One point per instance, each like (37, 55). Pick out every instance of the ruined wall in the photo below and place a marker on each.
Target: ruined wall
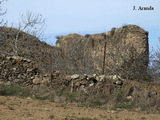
(126, 52)
(15, 70)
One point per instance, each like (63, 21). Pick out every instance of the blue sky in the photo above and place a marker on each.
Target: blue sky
(88, 16)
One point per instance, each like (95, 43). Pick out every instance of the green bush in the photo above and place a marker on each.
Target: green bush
(124, 106)
(118, 95)
(85, 118)
(14, 91)
(97, 103)
(71, 96)
(41, 98)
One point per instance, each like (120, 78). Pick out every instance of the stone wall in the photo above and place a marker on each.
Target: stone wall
(15, 70)
(127, 52)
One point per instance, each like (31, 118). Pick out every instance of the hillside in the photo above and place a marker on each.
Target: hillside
(29, 47)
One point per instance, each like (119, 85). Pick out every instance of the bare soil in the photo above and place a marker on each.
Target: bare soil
(14, 108)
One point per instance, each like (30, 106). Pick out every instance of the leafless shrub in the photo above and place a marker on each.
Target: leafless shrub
(32, 24)
(29, 23)
(154, 66)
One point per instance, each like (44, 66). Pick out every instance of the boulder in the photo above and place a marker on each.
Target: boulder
(152, 94)
(118, 82)
(36, 80)
(75, 76)
(101, 78)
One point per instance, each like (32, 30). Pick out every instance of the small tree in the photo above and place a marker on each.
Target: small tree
(29, 23)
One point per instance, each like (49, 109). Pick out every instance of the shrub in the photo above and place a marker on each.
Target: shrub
(97, 103)
(85, 118)
(124, 106)
(118, 95)
(71, 96)
(14, 91)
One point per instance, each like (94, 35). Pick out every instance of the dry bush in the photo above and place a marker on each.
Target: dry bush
(154, 66)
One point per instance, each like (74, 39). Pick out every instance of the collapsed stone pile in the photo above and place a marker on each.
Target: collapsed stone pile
(84, 82)
(17, 70)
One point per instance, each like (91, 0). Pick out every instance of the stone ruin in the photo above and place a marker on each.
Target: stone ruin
(95, 65)
(123, 51)
(15, 70)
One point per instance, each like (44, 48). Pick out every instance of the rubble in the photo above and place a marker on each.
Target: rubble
(118, 82)
(17, 70)
(75, 76)
(21, 71)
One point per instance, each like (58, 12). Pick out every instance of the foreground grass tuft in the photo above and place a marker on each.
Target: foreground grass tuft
(125, 106)
(85, 119)
(14, 91)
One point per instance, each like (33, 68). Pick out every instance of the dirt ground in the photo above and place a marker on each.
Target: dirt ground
(14, 108)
